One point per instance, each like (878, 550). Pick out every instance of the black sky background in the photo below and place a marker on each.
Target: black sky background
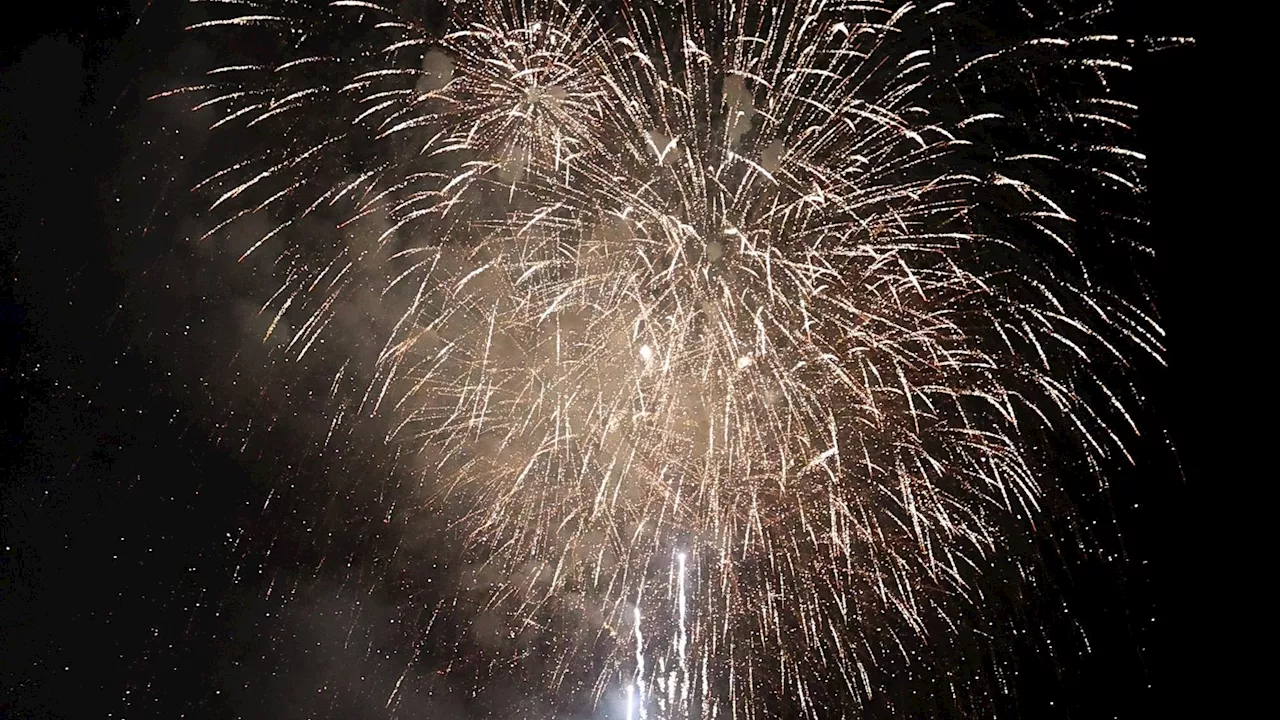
(121, 507)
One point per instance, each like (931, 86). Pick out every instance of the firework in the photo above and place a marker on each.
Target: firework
(772, 309)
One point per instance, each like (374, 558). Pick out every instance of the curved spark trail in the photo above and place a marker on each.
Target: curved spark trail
(802, 290)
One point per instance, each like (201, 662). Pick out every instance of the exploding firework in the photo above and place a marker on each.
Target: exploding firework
(769, 312)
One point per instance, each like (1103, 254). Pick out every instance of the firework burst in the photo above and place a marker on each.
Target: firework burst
(772, 308)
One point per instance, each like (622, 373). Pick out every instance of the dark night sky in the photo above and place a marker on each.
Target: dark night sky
(122, 576)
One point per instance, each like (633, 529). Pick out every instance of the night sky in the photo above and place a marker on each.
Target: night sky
(163, 555)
